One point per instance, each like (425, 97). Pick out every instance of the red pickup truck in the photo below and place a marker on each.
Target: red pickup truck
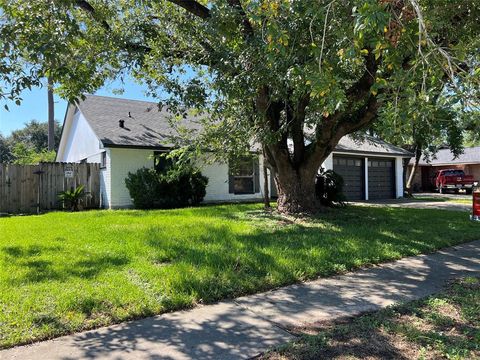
(453, 179)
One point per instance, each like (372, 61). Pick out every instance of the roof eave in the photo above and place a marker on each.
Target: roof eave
(146, 147)
(451, 163)
(382, 153)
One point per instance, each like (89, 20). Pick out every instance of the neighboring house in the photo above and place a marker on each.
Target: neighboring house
(125, 135)
(469, 162)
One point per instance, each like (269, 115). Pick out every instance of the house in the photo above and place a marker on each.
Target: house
(125, 135)
(469, 162)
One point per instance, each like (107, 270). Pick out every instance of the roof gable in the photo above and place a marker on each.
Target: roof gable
(144, 124)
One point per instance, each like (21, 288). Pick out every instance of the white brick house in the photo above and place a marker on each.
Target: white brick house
(123, 136)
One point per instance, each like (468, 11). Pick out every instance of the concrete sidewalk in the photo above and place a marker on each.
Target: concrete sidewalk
(249, 325)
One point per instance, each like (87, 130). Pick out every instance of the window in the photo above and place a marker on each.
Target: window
(160, 162)
(103, 160)
(453, 173)
(243, 176)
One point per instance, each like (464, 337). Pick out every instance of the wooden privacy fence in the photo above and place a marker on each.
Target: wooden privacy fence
(32, 188)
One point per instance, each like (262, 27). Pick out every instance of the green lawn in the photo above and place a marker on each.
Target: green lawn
(66, 272)
(443, 326)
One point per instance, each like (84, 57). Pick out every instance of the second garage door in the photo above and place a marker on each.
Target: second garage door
(351, 169)
(381, 179)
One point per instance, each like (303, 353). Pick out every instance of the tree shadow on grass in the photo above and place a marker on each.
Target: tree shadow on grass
(223, 264)
(33, 264)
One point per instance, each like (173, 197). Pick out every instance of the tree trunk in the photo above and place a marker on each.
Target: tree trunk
(296, 163)
(296, 193)
(418, 155)
(51, 116)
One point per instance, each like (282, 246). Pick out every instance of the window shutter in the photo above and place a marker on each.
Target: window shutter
(256, 175)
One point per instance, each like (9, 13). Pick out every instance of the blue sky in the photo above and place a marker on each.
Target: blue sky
(34, 105)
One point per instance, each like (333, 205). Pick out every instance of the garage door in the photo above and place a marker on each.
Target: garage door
(381, 179)
(351, 169)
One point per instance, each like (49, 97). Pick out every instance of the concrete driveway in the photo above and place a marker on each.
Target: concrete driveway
(455, 202)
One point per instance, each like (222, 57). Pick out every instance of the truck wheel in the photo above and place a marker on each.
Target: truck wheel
(442, 190)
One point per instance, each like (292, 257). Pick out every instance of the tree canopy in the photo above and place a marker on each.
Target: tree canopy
(294, 75)
(29, 145)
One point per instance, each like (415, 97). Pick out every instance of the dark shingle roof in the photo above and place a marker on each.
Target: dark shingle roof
(371, 145)
(145, 127)
(149, 127)
(445, 157)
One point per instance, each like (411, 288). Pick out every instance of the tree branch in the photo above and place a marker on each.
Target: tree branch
(193, 7)
(361, 88)
(85, 5)
(360, 118)
(332, 131)
(296, 129)
(247, 26)
(131, 46)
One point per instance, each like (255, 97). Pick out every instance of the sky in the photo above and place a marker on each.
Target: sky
(34, 105)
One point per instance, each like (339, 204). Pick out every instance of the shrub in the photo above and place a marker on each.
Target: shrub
(152, 190)
(329, 188)
(72, 198)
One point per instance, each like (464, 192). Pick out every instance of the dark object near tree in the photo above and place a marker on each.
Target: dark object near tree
(150, 189)
(73, 197)
(329, 188)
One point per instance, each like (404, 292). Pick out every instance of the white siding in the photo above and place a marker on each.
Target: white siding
(105, 181)
(80, 142)
(328, 163)
(122, 161)
(399, 176)
(217, 188)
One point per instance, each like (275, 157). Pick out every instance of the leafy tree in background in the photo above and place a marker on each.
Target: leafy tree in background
(35, 135)
(472, 125)
(24, 155)
(5, 151)
(29, 145)
(295, 76)
(422, 123)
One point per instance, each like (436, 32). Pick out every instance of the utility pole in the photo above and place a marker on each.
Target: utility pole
(51, 116)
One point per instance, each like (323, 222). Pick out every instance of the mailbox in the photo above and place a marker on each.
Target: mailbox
(476, 202)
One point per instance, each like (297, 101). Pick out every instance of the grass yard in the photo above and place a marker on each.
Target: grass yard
(67, 272)
(444, 326)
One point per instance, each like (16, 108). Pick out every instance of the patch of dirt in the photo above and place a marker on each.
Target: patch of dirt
(433, 328)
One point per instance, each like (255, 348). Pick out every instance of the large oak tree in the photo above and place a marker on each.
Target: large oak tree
(293, 75)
